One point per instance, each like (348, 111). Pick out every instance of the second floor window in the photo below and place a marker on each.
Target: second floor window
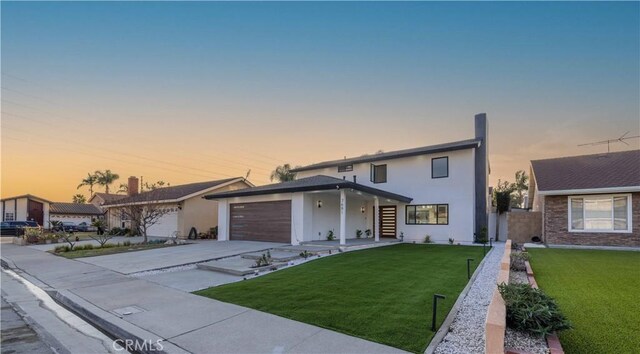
(440, 167)
(345, 168)
(378, 173)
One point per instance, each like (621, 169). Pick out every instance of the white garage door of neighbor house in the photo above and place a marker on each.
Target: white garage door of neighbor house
(165, 227)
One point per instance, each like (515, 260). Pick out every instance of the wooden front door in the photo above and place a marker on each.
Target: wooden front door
(388, 220)
(261, 221)
(35, 212)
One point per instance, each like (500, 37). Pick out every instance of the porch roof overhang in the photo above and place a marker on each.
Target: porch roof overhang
(309, 184)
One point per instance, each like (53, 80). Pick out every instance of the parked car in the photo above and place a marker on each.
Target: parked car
(67, 226)
(15, 228)
(85, 227)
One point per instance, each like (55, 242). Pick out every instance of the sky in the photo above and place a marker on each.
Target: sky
(194, 91)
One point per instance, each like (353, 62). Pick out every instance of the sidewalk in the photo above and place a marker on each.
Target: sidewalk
(137, 309)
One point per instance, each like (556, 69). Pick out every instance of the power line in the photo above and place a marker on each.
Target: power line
(279, 161)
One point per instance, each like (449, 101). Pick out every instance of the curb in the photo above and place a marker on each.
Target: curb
(444, 327)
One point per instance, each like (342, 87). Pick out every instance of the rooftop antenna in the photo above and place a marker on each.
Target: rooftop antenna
(248, 173)
(621, 139)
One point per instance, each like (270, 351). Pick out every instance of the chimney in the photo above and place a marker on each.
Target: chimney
(482, 174)
(133, 186)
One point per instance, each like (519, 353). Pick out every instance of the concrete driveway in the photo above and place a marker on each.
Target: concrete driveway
(199, 251)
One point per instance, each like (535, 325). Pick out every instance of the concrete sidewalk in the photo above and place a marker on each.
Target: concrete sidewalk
(135, 308)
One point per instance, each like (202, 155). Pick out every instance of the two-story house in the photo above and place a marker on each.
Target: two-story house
(438, 190)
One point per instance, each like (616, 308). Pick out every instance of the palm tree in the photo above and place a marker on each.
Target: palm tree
(123, 188)
(283, 173)
(79, 199)
(90, 180)
(106, 178)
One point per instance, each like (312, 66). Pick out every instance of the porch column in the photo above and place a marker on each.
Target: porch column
(343, 217)
(376, 219)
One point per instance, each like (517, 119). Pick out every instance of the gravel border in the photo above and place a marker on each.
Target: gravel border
(466, 334)
(522, 341)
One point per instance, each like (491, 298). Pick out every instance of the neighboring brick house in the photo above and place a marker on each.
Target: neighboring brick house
(590, 200)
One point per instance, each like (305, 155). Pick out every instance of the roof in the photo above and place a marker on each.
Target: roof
(599, 171)
(172, 193)
(30, 196)
(74, 208)
(313, 183)
(108, 197)
(432, 149)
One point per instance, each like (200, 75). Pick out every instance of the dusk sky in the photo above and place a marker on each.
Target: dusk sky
(194, 91)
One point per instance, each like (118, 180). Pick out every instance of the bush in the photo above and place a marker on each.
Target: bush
(115, 231)
(427, 239)
(531, 310)
(518, 259)
(451, 240)
(126, 243)
(330, 236)
(60, 249)
(358, 233)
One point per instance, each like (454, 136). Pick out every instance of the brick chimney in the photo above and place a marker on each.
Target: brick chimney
(133, 186)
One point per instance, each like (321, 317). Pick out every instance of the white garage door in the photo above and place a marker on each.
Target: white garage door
(165, 227)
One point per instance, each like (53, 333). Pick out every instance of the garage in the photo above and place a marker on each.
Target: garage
(261, 221)
(166, 225)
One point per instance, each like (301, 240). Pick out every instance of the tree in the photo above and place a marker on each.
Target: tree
(79, 199)
(502, 199)
(91, 180)
(123, 188)
(155, 185)
(283, 173)
(146, 212)
(106, 178)
(520, 186)
(101, 237)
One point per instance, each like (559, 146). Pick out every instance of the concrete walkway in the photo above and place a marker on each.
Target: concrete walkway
(135, 308)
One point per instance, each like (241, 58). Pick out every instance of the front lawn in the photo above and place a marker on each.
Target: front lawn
(382, 294)
(598, 291)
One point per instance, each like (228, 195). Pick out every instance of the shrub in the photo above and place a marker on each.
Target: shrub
(33, 234)
(358, 233)
(427, 239)
(60, 249)
(367, 232)
(126, 243)
(518, 259)
(451, 240)
(330, 236)
(531, 310)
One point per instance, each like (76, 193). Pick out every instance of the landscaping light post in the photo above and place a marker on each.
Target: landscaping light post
(490, 242)
(469, 268)
(435, 307)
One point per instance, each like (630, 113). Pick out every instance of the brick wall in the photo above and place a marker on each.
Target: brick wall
(556, 226)
(522, 226)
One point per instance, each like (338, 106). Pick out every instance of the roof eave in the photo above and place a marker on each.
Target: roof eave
(626, 189)
(372, 158)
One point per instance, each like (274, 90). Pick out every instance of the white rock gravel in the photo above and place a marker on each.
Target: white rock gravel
(466, 334)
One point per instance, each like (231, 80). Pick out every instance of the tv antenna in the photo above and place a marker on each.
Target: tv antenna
(621, 139)
(248, 173)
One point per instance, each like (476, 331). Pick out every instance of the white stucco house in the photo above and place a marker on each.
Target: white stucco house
(74, 212)
(26, 207)
(436, 190)
(184, 205)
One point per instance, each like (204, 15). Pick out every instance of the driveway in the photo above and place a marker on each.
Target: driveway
(200, 251)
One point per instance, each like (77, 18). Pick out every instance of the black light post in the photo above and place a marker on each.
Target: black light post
(484, 248)
(469, 268)
(490, 242)
(435, 308)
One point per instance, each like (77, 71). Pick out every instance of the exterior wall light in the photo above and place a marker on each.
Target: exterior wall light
(362, 209)
(319, 203)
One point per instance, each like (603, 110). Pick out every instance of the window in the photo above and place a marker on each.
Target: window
(600, 213)
(8, 217)
(345, 168)
(440, 167)
(378, 173)
(427, 214)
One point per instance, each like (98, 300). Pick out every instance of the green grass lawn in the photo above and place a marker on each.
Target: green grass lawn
(381, 294)
(111, 250)
(599, 291)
